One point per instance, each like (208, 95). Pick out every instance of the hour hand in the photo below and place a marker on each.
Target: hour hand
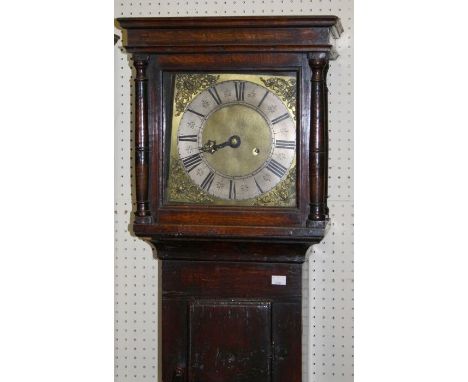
(211, 146)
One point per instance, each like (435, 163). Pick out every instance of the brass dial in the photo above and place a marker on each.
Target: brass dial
(236, 140)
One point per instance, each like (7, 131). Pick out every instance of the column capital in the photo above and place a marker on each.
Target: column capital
(140, 57)
(140, 62)
(319, 66)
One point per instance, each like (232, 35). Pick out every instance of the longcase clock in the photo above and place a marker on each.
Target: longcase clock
(231, 147)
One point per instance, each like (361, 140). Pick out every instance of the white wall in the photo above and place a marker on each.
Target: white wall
(328, 276)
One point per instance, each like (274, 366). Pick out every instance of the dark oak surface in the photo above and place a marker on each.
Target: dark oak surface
(222, 317)
(224, 279)
(266, 22)
(231, 34)
(223, 348)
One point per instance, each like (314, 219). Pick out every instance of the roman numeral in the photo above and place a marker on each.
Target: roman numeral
(191, 161)
(240, 88)
(196, 112)
(206, 184)
(285, 144)
(215, 95)
(263, 99)
(232, 189)
(280, 118)
(276, 168)
(188, 138)
(258, 186)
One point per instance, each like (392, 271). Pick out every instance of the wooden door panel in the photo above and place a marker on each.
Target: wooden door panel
(230, 341)
(287, 333)
(174, 339)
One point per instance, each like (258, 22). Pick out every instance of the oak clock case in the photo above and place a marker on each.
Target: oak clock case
(231, 151)
(233, 139)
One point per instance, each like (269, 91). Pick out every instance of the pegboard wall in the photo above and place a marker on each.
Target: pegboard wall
(328, 274)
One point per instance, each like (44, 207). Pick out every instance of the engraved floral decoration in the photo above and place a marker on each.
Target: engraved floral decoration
(282, 195)
(189, 84)
(182, 189)
(285, 89)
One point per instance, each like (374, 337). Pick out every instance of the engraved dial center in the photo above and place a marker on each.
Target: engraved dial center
(245, 131)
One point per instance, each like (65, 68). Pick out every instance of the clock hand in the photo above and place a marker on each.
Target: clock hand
(211, 146)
